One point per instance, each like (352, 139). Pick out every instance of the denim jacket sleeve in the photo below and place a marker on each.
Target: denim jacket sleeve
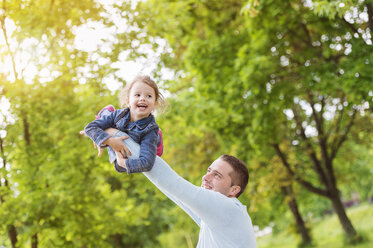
(95, 129)
(148, 152)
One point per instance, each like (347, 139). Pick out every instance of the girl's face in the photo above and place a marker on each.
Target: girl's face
(141, 101)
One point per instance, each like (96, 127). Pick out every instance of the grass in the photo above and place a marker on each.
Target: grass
(328, 232)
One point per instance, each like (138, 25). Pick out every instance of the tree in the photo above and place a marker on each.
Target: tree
(317, 77)
(284, 75)
(54, 191)
(269, 191)
(17, 11)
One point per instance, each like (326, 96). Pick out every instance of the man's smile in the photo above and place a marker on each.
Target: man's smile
(206, 186)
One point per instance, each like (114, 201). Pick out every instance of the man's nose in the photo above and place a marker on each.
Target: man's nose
(206, 177)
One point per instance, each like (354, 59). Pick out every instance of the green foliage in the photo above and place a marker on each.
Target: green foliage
(246, 76)
(53, 186)
(66, 194)
(182, 233)
(356, 172)
(290, 73)
(328, 231)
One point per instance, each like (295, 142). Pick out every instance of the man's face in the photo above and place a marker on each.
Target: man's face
(218, 179)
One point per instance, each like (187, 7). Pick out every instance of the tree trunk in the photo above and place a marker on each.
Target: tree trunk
(342, 216)
(338, 207)
(117, 240)
(306, 238)
(12, 233)
(330, 191)
(34, 241)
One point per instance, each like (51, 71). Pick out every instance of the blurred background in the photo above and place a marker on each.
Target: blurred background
(286, 86)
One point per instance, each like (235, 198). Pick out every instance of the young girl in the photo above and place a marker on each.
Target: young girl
(141, 96)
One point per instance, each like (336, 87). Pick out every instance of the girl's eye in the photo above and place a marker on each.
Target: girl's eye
(137, 95)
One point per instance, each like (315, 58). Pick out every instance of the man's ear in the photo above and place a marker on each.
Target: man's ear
(235, 189)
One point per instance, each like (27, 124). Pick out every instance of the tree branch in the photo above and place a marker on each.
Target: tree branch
(2, 21)
(305, 183)
(315, 116)
(370, 16)
(4, 166)
(351, 26)
(51, 5)
(320, 129)
(308, 35)
(26, 131)
(12, 232)
(310, 150)
(343, 138)
(339, 119)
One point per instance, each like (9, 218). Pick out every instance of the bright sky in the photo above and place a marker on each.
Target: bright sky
(89, 38)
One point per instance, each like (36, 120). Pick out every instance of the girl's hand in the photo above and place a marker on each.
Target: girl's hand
(116, 143)
(99, 149)
(118, 146)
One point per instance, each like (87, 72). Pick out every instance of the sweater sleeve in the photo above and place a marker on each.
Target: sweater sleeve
(196, 201)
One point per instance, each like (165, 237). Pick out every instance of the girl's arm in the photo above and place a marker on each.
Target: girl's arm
(95, 131)
(148, 152)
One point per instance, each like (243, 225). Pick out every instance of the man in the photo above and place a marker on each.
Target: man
(223, 220)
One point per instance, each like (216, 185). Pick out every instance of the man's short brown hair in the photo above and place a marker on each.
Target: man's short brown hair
(240, 174)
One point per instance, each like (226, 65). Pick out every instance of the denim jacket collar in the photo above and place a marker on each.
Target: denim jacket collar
(142, 123)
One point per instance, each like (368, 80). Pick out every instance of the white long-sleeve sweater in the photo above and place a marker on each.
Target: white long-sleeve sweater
(224, 222)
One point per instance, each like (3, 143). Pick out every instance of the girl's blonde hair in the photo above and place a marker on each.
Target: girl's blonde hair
(125, 92)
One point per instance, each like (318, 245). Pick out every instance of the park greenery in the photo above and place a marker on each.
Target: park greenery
(287, 86)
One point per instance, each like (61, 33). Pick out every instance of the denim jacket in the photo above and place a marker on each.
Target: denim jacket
(143, 131)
